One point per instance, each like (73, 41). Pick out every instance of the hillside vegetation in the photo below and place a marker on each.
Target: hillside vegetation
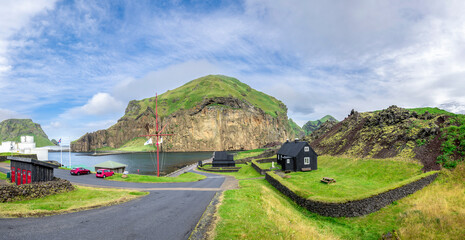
(193, 93)
(433, 136)
(13, 129)
(311, 126)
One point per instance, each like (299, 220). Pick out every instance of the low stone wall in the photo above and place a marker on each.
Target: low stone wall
(33, 156)
(353, 208)
(12, 192)
(261, 170)
(216, 169)
(268, 153)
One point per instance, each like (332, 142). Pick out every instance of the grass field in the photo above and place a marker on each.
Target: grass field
(249, 153)
(246, 171)
(80, 199)
(355, 178)
(435, 212)
(185, 177)
(3, 176)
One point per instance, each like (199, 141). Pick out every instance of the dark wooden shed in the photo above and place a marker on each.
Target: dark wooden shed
(28, 170)
(223, 159)
(297, 156)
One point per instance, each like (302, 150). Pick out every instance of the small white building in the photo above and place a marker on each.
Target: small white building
(26, 146)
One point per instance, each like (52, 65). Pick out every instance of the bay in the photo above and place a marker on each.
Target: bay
(142, 163)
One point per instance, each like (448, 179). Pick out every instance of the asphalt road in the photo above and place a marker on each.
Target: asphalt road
(163, 214)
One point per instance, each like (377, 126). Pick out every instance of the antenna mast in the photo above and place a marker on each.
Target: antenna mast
(157, 134)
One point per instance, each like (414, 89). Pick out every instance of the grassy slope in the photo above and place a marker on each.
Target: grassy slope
(246, 171)
(185, 177)
(435, 212)
(192, 93)
(355, 178)
(80, 199)
(295, 129)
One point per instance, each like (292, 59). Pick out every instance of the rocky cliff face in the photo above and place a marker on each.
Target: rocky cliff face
(392, 132)
(213, 124)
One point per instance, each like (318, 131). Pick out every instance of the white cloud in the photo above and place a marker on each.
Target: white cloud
(100, 104)
(9, 114)
(164, 79)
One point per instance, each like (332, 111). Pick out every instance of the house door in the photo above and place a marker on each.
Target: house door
(18, 175)
(13, 174)
(24, 176)
(28, 176)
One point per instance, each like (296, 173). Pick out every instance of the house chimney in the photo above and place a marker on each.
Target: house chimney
(296, 140)
(287, 140)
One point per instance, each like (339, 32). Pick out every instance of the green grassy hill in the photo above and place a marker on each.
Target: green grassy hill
(193, 93)
(13, 129)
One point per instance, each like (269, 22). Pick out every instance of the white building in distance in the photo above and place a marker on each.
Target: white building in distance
(26, 146)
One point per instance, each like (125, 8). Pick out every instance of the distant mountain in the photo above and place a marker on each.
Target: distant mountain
(211, 113)
(13, 129)
(311, 126)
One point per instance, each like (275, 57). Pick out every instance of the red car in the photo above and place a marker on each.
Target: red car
(103, 173)
(79, 171)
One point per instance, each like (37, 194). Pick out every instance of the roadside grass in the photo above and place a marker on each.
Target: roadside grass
(185, 177)
(82, 198)
(269, 165)
(3, 176)
(435, 212)
(246, 171)
(249, 153)
(355, 178)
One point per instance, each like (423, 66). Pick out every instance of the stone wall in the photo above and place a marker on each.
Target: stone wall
(12, 192)
(258, 168)
(217, 169)
(33, 156)
(353, 208)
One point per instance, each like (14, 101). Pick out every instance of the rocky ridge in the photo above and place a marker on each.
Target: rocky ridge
(392, 132)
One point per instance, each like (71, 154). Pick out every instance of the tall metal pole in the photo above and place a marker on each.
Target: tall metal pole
(157, 133)
(69, 152)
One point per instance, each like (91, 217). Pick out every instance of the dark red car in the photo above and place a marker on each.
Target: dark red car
(79, 171)
(103, 173)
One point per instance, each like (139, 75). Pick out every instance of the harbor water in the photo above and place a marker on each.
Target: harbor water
(142, 163)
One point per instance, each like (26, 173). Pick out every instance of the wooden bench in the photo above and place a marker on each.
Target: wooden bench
(328, 180)
(306, 169)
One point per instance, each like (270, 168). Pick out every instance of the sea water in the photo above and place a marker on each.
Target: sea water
(143, 163)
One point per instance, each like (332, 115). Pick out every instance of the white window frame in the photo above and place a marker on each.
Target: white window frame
(307, 149)
(288, 161)
(306, 160)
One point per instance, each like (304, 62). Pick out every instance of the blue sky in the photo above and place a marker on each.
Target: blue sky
(73, 66)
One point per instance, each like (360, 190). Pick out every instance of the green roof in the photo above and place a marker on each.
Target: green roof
(110, 164)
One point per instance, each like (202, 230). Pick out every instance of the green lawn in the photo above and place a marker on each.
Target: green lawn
(435, 212)
(355, 178)
(80, 199)
(246, 171)
(185, 177)
(248, 153)
(269, 165)
(3, 176)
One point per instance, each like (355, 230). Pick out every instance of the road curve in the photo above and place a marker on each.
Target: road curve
(169, 212)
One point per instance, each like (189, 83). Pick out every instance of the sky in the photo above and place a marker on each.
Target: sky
(73, 66)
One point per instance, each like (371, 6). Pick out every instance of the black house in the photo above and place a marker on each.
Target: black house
(27, 170)
(222, 159)
(297, 156)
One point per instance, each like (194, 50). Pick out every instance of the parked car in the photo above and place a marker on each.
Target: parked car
(79, 171)
(103, 173)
